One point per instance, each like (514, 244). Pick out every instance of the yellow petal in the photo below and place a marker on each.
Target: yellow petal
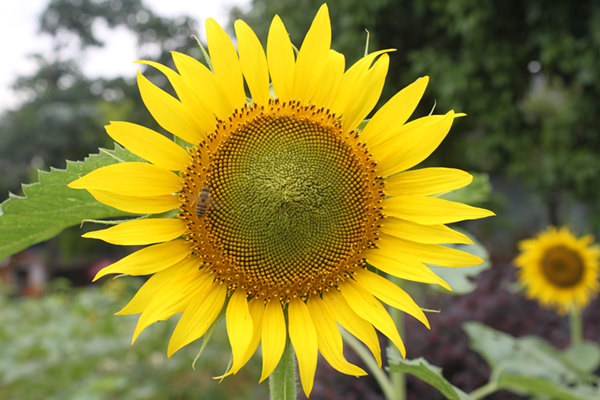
(426, 181)
(353, 83)
(136, 204)
(254, 63)
(357, 326)
(225, 62)
(330, 340)
(140, 231)
(198, 316)
(399, 267)
(149, 290)
(370, 309)
(303, 336)
(394, 247)
(390, 294)
(148, 144)
(394, 113)
(431, 210)
(197, 108)
(130, 179)
(274, 336)
(143, 296)
(412, 144)
(281, 60)
(149, 260)
(312, 56)
(239, 325)
(257, 310)
(364, 101)
(173, 298)
(422, 233)
(169, 112)
(331, 79)
(202, 81)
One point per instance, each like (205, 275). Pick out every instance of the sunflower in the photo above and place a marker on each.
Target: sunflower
(558, 269)
(288, 214)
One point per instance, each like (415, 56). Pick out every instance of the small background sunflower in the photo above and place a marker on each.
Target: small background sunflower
(558, 269)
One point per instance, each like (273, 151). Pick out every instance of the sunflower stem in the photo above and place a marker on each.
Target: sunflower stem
(398, 378)
(382, 379)
(576, 327)
(282, 382)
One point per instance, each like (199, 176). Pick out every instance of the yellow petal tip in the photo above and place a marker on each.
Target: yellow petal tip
(89, 235)
(323, 8)
(76, 184)
(425, 322)
(487, 213)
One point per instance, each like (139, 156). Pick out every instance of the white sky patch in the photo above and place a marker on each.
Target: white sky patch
(19, 37)
(116, 57)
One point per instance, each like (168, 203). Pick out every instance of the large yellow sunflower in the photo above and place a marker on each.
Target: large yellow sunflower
(288, 215)
(558, 269)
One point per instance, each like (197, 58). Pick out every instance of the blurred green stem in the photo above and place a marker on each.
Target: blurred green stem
(382, 379)
(398, 378)
(282, 382)
(484, 390)
(576, 327)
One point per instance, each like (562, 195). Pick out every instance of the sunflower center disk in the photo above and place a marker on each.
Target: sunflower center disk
(562, 266)
(296, 202)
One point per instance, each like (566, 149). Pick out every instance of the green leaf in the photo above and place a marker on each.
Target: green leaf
(423, 370)
(530, 365)
(49, 206)
(585, 355)
(460, 279)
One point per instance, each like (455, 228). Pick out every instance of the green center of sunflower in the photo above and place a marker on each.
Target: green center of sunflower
(562, 266)
(293, 203)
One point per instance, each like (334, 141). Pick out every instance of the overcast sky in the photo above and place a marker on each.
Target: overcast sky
(19, 37)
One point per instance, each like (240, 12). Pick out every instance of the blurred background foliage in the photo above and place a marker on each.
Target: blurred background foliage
(526, 73)
(78, 350)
